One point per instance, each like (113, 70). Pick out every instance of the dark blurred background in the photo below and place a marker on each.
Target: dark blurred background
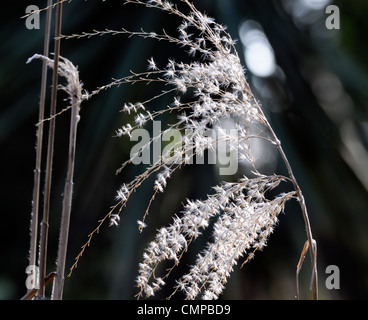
(312, 83)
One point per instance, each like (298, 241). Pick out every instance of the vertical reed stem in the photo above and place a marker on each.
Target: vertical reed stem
(50, 150)
(39, 138)
(67, 202)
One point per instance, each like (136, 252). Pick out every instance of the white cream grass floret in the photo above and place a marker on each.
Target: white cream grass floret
(243, 225)
(234, 235)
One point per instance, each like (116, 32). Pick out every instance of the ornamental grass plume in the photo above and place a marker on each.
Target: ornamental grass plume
(245, 219)
(209, 89)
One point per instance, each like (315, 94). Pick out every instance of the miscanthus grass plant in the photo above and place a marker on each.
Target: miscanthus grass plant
(205, 91)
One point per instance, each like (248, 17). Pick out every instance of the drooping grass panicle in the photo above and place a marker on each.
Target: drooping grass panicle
(245, 219)
(205, 91)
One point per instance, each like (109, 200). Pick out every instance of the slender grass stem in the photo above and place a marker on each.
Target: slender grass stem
(67, 202)
(39, 138)
(50, 150)
(301, 200)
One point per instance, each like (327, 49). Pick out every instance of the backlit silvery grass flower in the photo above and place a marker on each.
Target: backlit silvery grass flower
(215, 89)
(244, 220)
